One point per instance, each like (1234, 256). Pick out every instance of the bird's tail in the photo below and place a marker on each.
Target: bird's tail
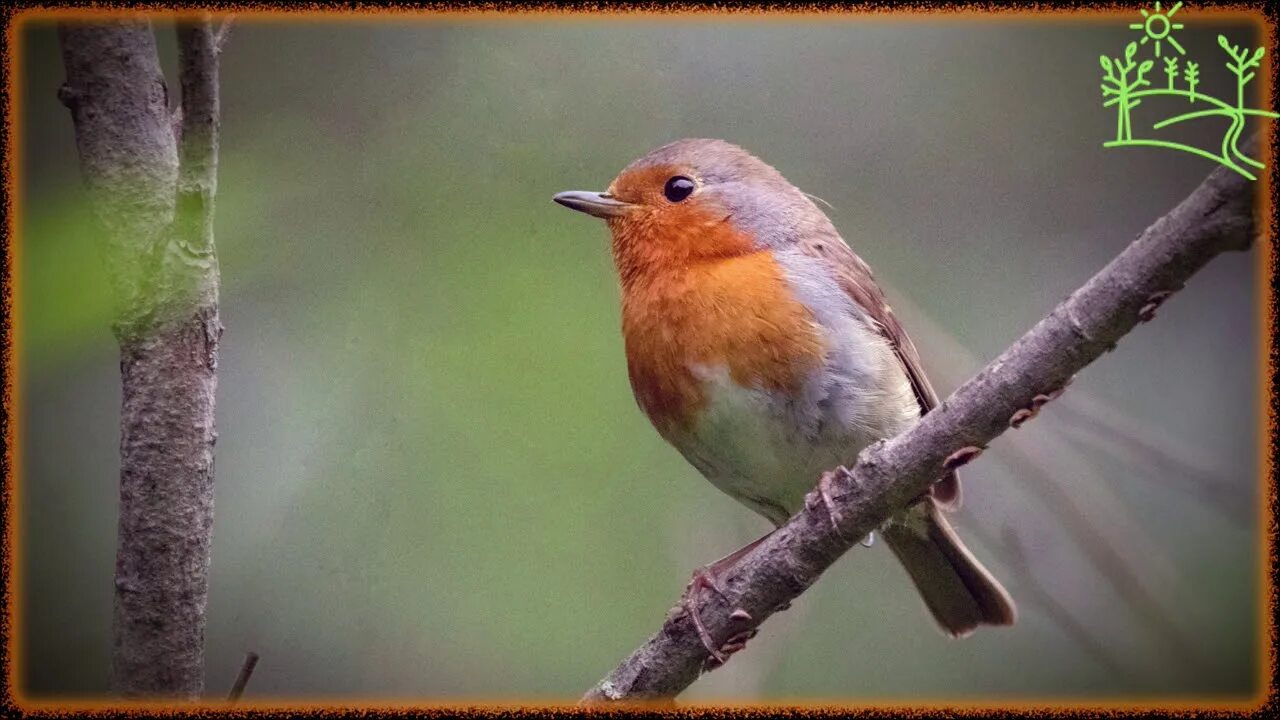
(959, 592)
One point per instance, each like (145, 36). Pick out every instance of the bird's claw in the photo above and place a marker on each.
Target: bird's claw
(703, 578)
(824, 494)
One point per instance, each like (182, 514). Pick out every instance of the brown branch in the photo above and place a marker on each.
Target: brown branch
(1109, 549)
(156, 218)
(1217, 217)
(246, 670)
(1029, 458)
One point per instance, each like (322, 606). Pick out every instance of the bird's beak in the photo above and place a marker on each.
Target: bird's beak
(601, 205)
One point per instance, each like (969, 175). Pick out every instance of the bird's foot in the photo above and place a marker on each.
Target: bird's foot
(703, 578)
(708, 577)
(823, 494)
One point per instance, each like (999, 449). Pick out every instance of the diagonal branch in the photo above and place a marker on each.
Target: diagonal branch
(246, 671)
(1216, 217)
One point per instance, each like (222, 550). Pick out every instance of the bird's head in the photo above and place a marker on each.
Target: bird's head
(696, 200)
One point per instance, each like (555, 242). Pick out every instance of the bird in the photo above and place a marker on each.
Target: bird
(760, 347)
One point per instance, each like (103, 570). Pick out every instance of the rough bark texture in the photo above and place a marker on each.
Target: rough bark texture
(1217, 217)
(156, 216)
(128, 155)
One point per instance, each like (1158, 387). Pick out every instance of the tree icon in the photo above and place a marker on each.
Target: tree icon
(1171, 70)
(1122, 87)
(1240, 66)
(1192, 75)
(1124, 80)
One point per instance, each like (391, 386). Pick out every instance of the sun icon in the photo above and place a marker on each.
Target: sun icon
(1158, 26)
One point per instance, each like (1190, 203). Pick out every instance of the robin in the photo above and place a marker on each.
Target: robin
(761, 348)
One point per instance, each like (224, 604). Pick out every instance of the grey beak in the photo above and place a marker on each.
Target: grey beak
(595, 204)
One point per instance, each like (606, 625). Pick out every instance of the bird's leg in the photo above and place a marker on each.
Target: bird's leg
(703, 577)
(708, 577)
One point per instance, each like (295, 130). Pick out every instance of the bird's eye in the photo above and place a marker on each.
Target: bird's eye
(678, 188)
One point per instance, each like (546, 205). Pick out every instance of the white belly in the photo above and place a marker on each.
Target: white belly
(767, 449)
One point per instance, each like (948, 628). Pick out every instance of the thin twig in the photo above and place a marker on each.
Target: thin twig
(1217, 217)
(224, 31)
(246, 670)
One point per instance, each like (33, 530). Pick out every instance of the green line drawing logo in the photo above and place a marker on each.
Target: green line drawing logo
(1125, 77)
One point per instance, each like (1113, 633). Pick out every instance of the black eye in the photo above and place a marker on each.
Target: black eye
(678, 188)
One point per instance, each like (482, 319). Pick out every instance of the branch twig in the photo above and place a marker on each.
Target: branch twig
(246, 670)
(224, 31)
(1215, 218)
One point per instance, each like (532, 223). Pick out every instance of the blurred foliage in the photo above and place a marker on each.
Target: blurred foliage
(432, 479)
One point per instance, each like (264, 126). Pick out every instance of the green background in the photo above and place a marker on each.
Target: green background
(432, 480)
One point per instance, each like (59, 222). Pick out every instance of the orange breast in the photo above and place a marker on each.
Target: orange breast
(734, 311)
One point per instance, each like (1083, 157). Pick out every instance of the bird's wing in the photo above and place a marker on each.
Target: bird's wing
(856, 280)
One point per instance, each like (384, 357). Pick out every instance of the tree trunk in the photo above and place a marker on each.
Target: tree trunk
(156, 216)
